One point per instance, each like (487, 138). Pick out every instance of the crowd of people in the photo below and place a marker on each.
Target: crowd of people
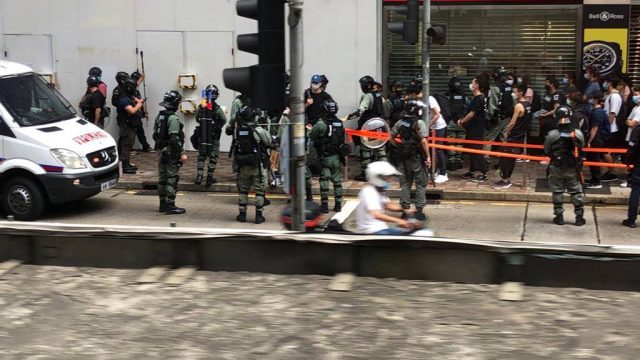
(498, 106)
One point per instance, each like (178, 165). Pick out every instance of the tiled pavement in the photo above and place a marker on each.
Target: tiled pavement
(524, 180)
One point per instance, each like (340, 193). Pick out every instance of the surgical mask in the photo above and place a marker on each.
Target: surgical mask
(565, 81)
(636, 99)
(569, 102)
(520, 80)
(386, 186)
(316, 87)
(586, 76)
(606, 85)
(509, 82)
(471, 87)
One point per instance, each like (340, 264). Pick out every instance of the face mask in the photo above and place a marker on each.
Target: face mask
(471, 87)
(316, 87)
(636, 99)
(509, 82)
(565, 81)
(606, 85)
(547, 87)
(569, 102)
(520, 80)
(586, 76)
(386, 186)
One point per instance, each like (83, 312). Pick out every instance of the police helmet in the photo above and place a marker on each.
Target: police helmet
(171, 99)
(366, 83)
(246, 112)
(129, 86)
(316, 79)
(212, 92)
(499, 71)
(95, 71)
(455, 85)
(562, 112)
(121, 76)
(92, 81)
(136, 75)
(412, 108)
(330, 107)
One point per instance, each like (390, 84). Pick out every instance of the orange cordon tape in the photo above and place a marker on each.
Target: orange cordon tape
(387, 136)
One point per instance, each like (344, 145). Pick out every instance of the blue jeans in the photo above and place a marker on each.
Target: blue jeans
(634, 199)
(440, 154)
(392, 231)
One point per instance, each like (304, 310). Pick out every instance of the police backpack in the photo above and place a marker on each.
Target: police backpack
(161, 129)
(246, 150)
(333, 141)
(410, 145)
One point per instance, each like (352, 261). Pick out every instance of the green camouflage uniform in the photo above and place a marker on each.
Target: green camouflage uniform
(212, 152)
(330, 164)
(169, 159)
(496, 130)
(250, 176)
(563, 178)
(412, 168)
(366, 103)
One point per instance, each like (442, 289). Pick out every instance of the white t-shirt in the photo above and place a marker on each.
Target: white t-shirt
(440, 123)
(370, 199)
(635, 116)
(612, 104)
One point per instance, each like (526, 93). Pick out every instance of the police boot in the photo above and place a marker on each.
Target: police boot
(580, 220)
(324, 207)
(309, 193)
(361, 177)
(420, 216)
(337, 207)
(267, 202)
(163, 206)
(558, 220)
(210, 180)
(172, 209)
(259, 218)
(127, 169)
(198, 180)
(242, 217)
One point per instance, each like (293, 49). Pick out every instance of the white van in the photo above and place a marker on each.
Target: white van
(48, 155)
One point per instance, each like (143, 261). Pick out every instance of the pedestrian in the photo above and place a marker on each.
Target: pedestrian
(569, 84)
(386, 103)
(397, 101)
(129, 117)
(438, 125)
(564, 147)
(409, 135)
(371, 217)
(459, 102)
(632, 124)
(328, 138)
(97, 72)
(142, 138)
(515, 133)
(473, 123)
(250, 144)
(581, 110)
(633, 158)
(371, 106)
(599, 137)
(169, 137)
(613, 107)
(210, 119)
(552, 100)
(92, 103)
(592, 75)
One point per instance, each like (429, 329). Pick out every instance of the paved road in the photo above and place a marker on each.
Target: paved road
(512, 221)
(80, 313)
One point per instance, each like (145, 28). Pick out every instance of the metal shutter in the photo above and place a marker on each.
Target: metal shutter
(539, 42)
(634, 46)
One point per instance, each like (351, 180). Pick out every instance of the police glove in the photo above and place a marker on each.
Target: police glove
(228, 131)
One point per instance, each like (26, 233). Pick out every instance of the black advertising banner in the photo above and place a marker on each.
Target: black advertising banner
(605, 37)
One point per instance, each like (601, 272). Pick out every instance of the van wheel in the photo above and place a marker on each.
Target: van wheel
(23, 199)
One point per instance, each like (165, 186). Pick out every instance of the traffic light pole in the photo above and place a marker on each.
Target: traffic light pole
(298, 132)
(426, 40)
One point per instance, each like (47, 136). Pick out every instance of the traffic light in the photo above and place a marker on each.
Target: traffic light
(264, 83)
(438, 33)
(409, 28)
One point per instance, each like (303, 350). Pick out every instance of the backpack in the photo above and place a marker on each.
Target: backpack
(246, 149)
(446, 109)
(161, 129)
(410, 146)
(563, 152)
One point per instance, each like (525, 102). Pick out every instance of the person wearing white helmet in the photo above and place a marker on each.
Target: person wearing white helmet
(370, 213)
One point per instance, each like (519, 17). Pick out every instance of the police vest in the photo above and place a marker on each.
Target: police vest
(564, 152)
(210, 123)
(333, 138)
(124, 116)
(161, 129)
(410, 146)
(246, 149)
(458, 104)
(115, 95)
(376, 110)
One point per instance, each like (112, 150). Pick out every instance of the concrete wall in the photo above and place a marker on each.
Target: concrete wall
(342, 39)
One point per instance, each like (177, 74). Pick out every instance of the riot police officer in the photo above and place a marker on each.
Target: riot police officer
(238, 103)
(169, 136)
(211, 119)
(371, 105)
(397, 102)
(409, 135)
(117, 92)
(564, 147)
(250, 144)
(328, 138)
(129, 116)
(458, 99)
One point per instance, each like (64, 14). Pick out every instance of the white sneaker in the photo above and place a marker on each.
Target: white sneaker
(441, 179)
(624, 184)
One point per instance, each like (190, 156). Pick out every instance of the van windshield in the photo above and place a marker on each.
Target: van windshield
(32, 101)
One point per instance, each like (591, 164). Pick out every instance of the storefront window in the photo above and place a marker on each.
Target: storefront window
(537, 42)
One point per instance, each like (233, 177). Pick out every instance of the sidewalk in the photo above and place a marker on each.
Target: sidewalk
(457, 188)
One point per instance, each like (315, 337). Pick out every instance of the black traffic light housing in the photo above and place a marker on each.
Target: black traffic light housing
(409, 28)
(438, 33)
(264, 83)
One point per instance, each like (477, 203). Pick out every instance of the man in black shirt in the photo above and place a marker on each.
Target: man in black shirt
(550, 102)
(515, 133)
(93, 102)
(314, 97)
(473, 124)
